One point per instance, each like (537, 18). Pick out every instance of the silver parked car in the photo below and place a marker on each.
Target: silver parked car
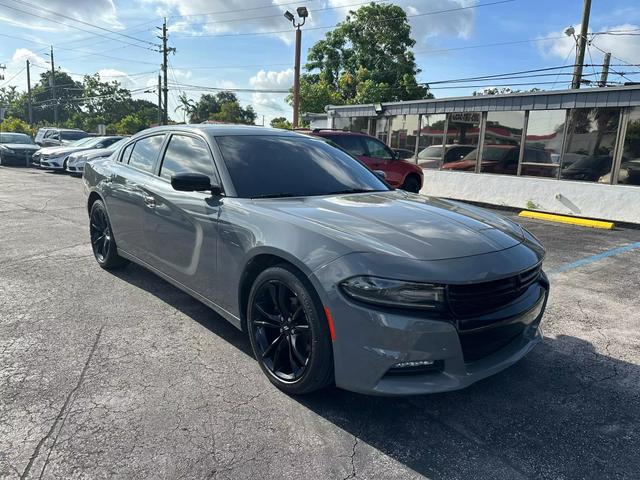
(77, 160)
(335, 276)
(56, 158)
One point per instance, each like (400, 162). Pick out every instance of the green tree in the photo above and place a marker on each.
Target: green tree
(232, 112)
(366, 58)
(281, 122)
(130, 124)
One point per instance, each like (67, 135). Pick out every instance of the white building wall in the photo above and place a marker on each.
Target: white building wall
(594, 200)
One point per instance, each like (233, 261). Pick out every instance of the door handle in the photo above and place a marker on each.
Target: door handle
(149, 201)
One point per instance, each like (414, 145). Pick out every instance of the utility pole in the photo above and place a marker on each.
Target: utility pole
(160, 114)
(53, 90)
(582, 45)
(29, 94)
(303, 13)
(2, 69)
(605, 70)
(165, 52)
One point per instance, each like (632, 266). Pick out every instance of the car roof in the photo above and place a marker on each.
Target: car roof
(328, 131)
(217, 130)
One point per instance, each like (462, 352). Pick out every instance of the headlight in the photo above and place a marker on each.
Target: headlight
(6, 149)
(394, 293)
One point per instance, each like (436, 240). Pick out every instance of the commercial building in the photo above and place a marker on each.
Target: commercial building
(573, 152)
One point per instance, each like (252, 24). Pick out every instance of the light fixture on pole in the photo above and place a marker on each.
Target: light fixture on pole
(303, 13)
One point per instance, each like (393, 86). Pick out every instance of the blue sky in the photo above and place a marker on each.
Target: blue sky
(211, 53)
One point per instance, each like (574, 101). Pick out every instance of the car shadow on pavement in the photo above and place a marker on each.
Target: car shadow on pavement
(564, 411)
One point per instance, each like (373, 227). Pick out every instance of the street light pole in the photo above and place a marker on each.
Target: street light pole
(303, 13)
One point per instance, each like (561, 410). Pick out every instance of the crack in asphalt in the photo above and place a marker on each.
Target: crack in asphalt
(62, 415)
(353, 473)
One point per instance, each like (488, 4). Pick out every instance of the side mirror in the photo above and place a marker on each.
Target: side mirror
(194, 182)
(380, 174)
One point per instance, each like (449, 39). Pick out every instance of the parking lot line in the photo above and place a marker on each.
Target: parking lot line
(594, 258)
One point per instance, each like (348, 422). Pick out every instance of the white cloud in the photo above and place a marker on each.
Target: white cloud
(271, 80)
(96, 11)
(625, 47)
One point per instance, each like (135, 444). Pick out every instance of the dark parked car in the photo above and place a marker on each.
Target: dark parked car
(335, 276)
(377, 156)
(588, 168)
(16, 149)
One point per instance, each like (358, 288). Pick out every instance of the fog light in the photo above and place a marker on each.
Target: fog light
(417, 367)
(420, 363)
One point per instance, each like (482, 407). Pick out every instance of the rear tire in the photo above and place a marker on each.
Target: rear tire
(103, 242)
(289, 332)
(411, 184)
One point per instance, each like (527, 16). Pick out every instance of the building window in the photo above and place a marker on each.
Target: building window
(404, 133)
(342, 123)
(430, 143)
(380, 129)
(630, 167)
(502, 138)
(590, 144)
(359, 124)
(543, 143)
(463, 129)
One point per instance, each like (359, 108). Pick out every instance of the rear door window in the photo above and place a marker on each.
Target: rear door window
(145, 153)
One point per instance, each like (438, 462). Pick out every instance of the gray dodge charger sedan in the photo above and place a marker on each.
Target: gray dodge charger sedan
(335, 276)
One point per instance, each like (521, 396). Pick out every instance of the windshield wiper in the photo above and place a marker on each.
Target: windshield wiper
(354, 190)
(277, 195)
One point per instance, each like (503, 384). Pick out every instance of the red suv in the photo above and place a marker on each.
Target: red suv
(377, 156)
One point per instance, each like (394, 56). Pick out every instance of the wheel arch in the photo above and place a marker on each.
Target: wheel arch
(259, 261)
(93, 196)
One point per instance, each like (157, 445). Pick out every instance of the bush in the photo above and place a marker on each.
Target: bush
(12, 124)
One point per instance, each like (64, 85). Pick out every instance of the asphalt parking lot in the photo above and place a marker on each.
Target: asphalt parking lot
(121, 375)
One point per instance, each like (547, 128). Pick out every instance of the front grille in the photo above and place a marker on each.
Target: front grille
(481, 298)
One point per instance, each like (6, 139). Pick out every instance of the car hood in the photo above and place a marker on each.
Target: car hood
(402, 224)
(94, 153)
(60, 150)
(21, 146)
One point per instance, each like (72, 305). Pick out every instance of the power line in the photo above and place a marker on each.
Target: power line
(220, 12)
(9, 81)
(328, 27)
(23, 2)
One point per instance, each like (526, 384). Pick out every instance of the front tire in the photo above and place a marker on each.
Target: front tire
(289, 332)
(411, 184)
(102, 241)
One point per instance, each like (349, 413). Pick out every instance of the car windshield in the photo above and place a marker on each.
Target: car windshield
(431, 152)
(492, 154)
(15, 138)
(92, 141)
(81, 142)
(118, 144)
(287, 166)
(72, 135)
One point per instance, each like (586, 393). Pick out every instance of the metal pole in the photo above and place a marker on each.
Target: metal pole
(605, 70)
(582, 45)
(53, 90)
(159, 100)
(296, 80)
(29, 94)
(165, 90)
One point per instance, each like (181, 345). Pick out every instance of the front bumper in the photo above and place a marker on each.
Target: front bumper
(16, 159)
(52, 164)
(75, 169)
(370, 342)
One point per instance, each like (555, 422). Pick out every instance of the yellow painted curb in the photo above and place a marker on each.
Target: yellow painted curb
(583, 222)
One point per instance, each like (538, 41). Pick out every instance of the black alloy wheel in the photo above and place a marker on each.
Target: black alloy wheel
(102, 241)
(289, 336)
